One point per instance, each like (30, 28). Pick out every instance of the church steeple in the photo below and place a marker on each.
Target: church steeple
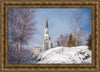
(46, 28)
(46, 22)
(46, 40)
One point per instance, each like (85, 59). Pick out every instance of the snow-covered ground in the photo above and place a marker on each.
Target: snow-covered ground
(66, 55)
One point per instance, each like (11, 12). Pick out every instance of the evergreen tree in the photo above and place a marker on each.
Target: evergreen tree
(58, 43)
(89, 42)
(70, 41)
(74, 42)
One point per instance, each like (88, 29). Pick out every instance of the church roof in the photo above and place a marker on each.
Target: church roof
(46, 22)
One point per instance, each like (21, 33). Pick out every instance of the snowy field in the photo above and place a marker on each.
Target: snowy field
(66, 55)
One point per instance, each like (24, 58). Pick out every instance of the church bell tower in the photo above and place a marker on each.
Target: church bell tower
(46, 40)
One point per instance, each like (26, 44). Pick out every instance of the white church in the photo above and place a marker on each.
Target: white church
(46, 44)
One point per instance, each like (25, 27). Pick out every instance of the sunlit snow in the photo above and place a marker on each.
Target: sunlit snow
(66, 55)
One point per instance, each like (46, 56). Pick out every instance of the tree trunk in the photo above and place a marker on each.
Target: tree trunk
(76, 35)
(16, 37)
(17, 46)
(21, 46)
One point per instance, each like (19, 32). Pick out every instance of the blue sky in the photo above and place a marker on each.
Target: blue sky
(59, 22)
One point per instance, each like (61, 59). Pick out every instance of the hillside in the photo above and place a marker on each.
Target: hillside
(68, 55)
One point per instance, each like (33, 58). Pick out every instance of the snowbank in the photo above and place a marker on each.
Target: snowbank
(68, 55)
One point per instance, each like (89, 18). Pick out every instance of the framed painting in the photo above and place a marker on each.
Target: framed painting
(55, 35)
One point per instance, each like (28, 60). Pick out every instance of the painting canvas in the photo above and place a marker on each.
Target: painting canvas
(50, 35)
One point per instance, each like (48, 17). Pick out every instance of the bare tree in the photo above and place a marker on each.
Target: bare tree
(21, 25)
(17, 57)
(76, 23)
(62, 40)
(81, 35)
(13, 22)
(27, 26)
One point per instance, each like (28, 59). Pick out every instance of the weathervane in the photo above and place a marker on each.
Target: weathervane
(46, 17)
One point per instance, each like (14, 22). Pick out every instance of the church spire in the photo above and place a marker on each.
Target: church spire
(46, 21)
(46, 40)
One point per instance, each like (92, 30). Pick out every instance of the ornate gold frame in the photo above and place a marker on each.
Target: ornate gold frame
(4, 5)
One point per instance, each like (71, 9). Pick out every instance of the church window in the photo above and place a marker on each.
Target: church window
(46, 39)
(46, 32)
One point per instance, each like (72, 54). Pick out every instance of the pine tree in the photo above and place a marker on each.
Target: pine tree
(70, 41)
(58, 43)
(89, 42)
(74, 42)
